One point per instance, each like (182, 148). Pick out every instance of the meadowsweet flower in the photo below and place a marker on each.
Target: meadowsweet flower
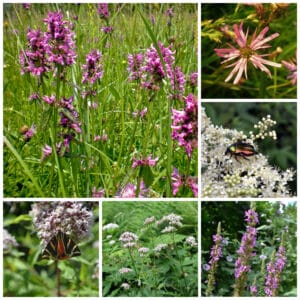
(9, 241)
(242, 264)
(46, 151)
(125, 270)
(291, 65)
(92, 70)
(103, 10)
(112, 242)
(185, 125)
(34, 59)
(223, 176)
(59, 40)
(148, 161)
(246, 52)
(69, 217)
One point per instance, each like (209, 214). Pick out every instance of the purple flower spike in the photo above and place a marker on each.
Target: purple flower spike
(93, 68)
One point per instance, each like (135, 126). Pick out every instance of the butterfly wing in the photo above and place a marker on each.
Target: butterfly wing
(60, 246)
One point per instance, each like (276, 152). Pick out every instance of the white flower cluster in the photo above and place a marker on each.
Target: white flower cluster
(125, 270)
(110, 226)
(160, 247)
(9, 241)
(191, 241)
(149, 220)
(128, 239)
(263, 126)
(225, 176)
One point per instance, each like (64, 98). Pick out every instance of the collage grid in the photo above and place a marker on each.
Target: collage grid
(160, 238)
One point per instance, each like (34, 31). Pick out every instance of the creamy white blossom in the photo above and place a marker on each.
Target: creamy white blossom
(225, 176)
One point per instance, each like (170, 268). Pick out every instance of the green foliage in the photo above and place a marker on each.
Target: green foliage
(170, 272)
(274, 219)
(25, 275)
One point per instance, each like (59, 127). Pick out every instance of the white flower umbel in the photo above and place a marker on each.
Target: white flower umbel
(229, 176)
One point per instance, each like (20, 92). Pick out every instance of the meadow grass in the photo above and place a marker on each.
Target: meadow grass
(105, 164)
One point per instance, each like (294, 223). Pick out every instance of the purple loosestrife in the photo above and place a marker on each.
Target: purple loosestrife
(193, 80)
(274, 270)
(34, 59)
(246, 52)
(185, 125)
(59, 40)
(245, 252)
(215, 255)
(69, 217)
(92, 70)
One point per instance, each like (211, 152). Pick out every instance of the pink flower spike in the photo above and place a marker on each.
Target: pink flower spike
(247, 52)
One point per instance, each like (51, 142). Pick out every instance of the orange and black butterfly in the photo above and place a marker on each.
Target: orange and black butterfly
(61, 246)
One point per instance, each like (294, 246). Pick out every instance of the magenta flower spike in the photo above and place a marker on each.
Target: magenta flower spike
(247, 52)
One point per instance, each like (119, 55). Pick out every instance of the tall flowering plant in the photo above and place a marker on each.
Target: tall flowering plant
(215, 255)
(242, 264)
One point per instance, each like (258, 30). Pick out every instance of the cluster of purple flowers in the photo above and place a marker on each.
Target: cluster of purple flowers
(93, 68)
(274, 269)
(103, 10)
(181, 181)
(151, 71)
(216, 250)
(185, 125)
(129, 191)
(247, 245)
(70, 217)
(128, 239)
(55, 46)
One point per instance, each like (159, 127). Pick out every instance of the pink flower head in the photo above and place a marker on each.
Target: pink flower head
(247, 51)
(148, 161)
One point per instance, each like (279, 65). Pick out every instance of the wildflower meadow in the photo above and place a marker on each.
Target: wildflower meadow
(251, 252)
(100, 100)
(249, 150)
(250, 50)
(50, 249)
(150, 249)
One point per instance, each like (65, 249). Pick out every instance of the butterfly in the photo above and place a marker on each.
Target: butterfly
(61, 246)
